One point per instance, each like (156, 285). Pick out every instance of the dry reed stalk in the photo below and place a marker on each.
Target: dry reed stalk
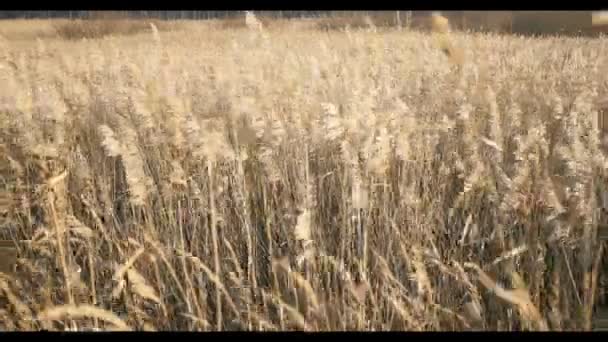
(120, 271)
(297, 279)
(244, 196)
(188, 280)
(220, 287)
(140, 286)
(215, 242)
(591, 291)
(519, 297)
(159, 251)
(23, 312)
(442, 145)
(60, 230)
(82, 311)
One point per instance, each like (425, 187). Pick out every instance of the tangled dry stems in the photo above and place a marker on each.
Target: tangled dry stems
(292, 179)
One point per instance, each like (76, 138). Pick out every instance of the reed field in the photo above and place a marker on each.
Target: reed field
(234, 176)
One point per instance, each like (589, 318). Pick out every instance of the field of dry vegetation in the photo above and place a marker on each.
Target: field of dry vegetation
(213, 178)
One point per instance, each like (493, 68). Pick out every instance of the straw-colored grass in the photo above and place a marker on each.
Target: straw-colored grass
(285, 178)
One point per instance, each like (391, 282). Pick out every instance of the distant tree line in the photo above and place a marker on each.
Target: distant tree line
(167, 15)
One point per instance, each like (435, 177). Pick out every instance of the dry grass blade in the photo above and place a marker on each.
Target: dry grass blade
(51, 182)
(407, 317)
(21, 309)
(203, 322)
(300, 281)
(141, 287)
(511, 254)
(262, 322)
(77, 227)
(83, 311)
(212, 276)
(473, 312)
(491, 144)
(158, 249)
(519, 297)
(595, 275)
(122, 270)
(295, 317)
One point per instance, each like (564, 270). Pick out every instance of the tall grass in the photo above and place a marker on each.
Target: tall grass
(104, 27)
(295, 179)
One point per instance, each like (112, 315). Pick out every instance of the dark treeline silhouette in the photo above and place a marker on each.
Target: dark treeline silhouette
(167, 15)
